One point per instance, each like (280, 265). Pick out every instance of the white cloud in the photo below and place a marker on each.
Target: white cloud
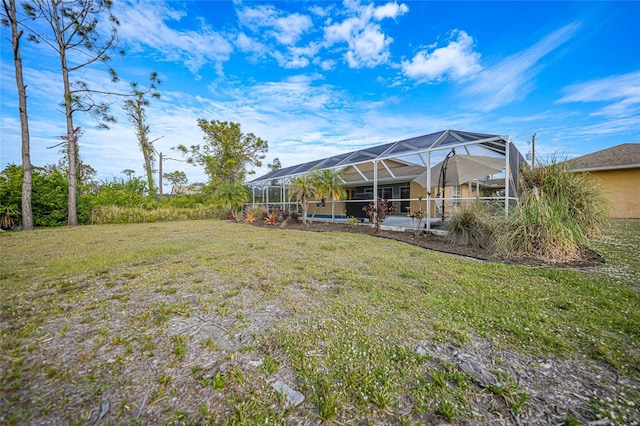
(390, 10)
(367, 45)
(368, 48)
(267, 21)
(511, 79)
(250, 45)
(457, 60)
(623, 90)
(147, 25)
(289, 29)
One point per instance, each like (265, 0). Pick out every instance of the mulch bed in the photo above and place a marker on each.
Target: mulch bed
(433, 241)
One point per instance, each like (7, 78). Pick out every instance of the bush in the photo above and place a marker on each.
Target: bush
(117, 215)
(473, 226)
(119, 192)
(48, 197)
(558, 212)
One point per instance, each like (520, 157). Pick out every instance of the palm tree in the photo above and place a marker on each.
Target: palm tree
(231, 196)
(328, 183)
(303, 187)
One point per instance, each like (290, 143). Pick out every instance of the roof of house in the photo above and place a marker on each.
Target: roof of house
(624, 156)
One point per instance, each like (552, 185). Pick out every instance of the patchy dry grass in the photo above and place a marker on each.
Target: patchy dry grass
(190, 322)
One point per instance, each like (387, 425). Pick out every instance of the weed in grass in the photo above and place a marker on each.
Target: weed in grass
(164, 379)
(326, 400)
(570, 421)
(167, 290)
(439, 378)
(381, 397)
(509, 391)
(147, 345)
(209, 344)
(447, 410)
(236, 375)
(218, 382)
(195, 370)
(179, 345)
(223, 309)
(270, 365)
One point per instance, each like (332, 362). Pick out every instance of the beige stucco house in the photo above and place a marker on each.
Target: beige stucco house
(617, 171)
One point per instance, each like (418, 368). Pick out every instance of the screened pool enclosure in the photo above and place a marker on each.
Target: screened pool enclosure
(432, 174)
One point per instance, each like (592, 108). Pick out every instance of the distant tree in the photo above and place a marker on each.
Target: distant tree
(302, 188)
(176, 178)
(135, 110)
(86, 179)
(10, 18)
(77, 37)
(129, 173)
(275, 165)
(226, 152)
(328, 185)
(231, 196)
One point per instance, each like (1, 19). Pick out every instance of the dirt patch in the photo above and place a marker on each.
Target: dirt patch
(435, 241)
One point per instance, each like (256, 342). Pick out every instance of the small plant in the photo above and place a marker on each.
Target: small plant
(448, 410)
(272, 219)
(218, 382)
(351, 220)
(416, 221)
(378, 213)
(179, 346)
(250, 216)
(326, 400)
(8, 216)
(270, 365)
(164, 379)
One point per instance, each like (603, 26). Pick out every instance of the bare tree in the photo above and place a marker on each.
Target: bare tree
(76, 38)
(135, 110)
(10, 18)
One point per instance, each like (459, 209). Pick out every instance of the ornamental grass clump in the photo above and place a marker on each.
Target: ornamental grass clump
(558, 212)
(473, 226)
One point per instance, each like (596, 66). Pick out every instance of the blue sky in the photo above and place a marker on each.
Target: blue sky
(317, 78)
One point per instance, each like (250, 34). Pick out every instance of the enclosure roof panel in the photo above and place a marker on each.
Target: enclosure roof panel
(446, 139)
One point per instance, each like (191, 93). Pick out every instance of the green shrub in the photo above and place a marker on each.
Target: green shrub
(119, 192)
(49, 195)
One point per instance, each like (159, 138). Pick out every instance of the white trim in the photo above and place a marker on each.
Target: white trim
(603, 168)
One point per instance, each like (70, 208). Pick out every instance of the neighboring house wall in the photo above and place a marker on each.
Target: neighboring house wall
(621, 187)
(186, 189)
(617, 171)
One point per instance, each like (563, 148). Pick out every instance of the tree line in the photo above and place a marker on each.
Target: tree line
(83, 33)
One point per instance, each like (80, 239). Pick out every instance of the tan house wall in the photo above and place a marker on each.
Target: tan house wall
(416, 191)
(621, 187)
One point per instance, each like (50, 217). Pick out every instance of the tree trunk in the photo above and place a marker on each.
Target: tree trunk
(27, 169)
(72, 153)
(72, 148)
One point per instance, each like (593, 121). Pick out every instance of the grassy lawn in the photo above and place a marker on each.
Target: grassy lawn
(191, 322)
